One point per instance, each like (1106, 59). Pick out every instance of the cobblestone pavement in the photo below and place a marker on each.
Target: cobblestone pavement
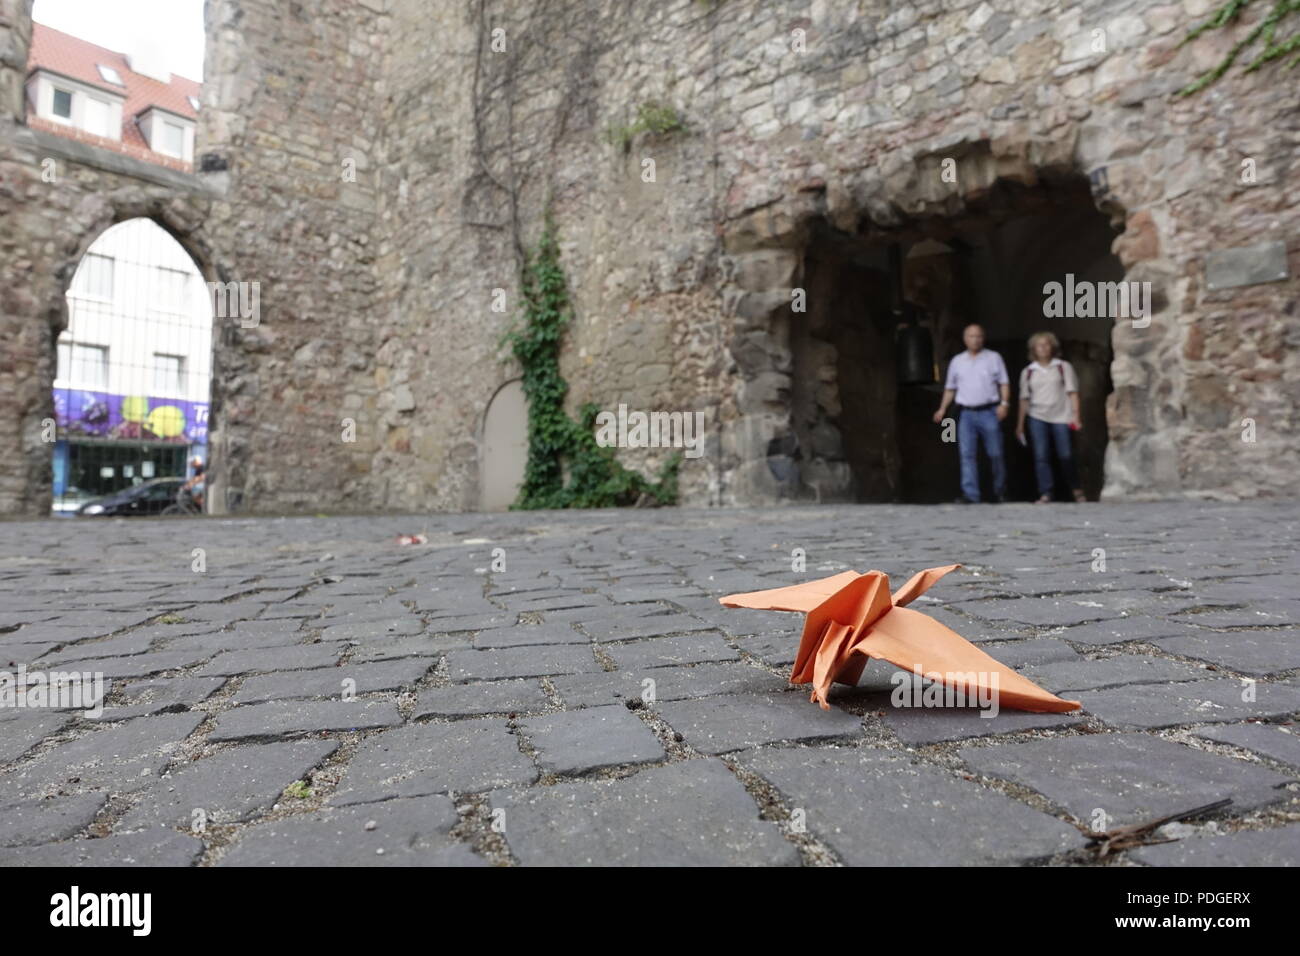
(497, 712)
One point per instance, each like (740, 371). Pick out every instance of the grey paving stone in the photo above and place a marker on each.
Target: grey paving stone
(1167, 705)
(121, 645)
(528, 634)
(879, 809)
(120, 757)
(603, 613)
(1131, 777)
(291, 657)
(1061, 676)
(468, 700)
(139, 698)
(148, 848)
(619, 629)
(403, 832)
(44, 821)
(1035, 650)
(1042, 611)
(239, 639)
(228, 787)
(776, 650)
(472, 622)
(280, 717)
(414, 645)
(21, 730)
(1121, 629)
(136, 665)
(1258, 613)
(420, 759)
(669, 683)
(367, 631)
(582, 740)
(536, 661)
(1276, 847)
(690, 813)
(655, 592)
(716, 725)
(14, 653)
(1270, 740)
(329, 681)
(672, 651)
(1248, 652)
(551, 601)
(746, 622)
(928, 725)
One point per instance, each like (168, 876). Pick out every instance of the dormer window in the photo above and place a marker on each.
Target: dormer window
(194, 102)
(98, 117)
(110, 75)
(173, 139)
(168, 133)
(62, 106)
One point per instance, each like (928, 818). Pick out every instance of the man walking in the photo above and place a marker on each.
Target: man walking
(978, 380)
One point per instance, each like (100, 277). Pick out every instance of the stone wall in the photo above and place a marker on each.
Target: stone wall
(802, 118)
(683, 286)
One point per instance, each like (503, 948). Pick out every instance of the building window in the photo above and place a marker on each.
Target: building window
(97, 116)
(173, 139)
(94, 279)
(172, 285)
(110, 75)
(168, 374)
(83, 366)
(63, 103)
(194, 102)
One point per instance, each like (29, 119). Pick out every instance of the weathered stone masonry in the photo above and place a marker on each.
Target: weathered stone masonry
(376, 293)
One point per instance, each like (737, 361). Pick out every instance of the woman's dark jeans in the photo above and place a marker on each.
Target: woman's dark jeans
(1044, 435)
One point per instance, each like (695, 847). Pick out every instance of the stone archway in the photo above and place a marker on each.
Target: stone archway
(808, 424)
(43, 314)
(132, 387)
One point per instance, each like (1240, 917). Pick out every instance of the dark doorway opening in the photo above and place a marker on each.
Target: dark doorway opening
(865, 431)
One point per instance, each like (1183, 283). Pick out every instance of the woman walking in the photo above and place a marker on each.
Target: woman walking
(1049, 400)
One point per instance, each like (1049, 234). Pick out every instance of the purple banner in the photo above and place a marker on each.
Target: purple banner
(82, 414)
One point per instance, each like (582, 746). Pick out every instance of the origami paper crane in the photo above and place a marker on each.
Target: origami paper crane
(852, 617)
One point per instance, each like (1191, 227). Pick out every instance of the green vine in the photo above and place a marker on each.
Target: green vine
(556, 443)
(1265, 30)
(651, 117)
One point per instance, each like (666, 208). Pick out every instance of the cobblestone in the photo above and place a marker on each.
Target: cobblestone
(599, 698)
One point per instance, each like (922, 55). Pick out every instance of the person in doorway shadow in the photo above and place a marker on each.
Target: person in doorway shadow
(977, 380)
(1049, 402)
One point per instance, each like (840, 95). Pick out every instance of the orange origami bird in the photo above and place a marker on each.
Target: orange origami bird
(853, 617)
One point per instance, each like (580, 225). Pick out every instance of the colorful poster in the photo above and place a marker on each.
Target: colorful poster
(82, 414)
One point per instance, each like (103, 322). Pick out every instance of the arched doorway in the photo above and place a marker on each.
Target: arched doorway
(134, 369)
(504, 454)
(860, 429)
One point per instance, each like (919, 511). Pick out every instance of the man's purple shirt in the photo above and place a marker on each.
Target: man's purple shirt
(975, 378)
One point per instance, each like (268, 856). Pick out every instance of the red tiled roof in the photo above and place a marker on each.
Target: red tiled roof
(79, 60)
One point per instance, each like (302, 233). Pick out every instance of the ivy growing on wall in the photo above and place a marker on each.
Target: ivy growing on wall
(566, 467)
(652, 117)
(1265, 33)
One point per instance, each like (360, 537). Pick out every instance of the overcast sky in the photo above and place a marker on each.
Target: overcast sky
(173, 29)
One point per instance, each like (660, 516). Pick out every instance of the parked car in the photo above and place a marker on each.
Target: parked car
(147, 498)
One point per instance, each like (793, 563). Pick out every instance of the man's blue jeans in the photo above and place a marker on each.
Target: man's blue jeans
(975, 428)
(1044, 435)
